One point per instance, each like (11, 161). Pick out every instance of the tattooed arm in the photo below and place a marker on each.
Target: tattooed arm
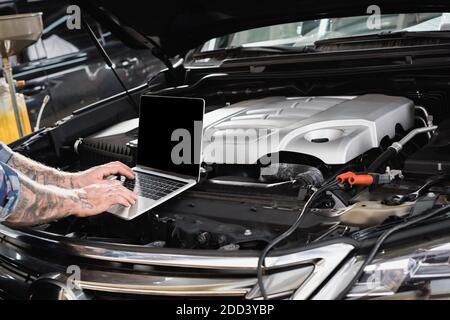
(39, 204)
(40, 173)
(49, 176)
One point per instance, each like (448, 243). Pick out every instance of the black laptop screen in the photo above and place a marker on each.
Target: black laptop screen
(170, 134)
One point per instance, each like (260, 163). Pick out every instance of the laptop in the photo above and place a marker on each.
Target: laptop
(168, 152)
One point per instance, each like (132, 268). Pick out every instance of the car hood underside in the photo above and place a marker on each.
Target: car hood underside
(179, 26)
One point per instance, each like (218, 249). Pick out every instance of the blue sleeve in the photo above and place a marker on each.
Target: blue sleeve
(9, 190)
(5, 153)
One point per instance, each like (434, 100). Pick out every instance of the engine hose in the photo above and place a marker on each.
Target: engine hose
(396, 147)
(387, 155)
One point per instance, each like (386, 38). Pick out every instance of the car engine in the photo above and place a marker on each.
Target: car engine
(334, 130)
(248, 195)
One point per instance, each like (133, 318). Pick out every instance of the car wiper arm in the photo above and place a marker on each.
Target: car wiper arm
(256, 49)
(386, 35)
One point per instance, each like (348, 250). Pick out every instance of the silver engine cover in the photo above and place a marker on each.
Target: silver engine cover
(335, 130)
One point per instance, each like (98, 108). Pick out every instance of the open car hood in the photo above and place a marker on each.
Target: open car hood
(178, 26)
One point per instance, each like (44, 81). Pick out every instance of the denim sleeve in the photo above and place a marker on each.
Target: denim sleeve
(9, 190)
(5, 153)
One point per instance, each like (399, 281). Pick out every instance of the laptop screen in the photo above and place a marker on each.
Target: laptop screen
(170, 134)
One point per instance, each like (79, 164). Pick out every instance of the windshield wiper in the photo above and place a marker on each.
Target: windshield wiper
(386, 36)
(257, 50)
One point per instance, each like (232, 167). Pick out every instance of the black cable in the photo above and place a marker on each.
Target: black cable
(261, 261)
(330, 183)
(380, 241)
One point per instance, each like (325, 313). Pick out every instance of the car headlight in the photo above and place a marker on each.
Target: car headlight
(421, 273)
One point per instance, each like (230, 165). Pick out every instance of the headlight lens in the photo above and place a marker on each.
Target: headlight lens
(424, 273)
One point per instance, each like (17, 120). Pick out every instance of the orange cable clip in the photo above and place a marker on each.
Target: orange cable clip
(361, 180)
(343, 178)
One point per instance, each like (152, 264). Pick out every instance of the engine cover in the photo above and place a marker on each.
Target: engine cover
(333, 129)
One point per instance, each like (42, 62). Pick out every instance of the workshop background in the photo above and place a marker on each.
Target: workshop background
(62, 71)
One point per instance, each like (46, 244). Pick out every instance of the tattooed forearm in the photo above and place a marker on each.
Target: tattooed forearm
(40, 204)
(41, 173)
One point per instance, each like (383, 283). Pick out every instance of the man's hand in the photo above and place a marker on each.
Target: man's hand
(98, 198)
(39, 204)
(97, 175)
(48, 176)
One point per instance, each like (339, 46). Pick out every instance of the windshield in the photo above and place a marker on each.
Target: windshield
(306, 33)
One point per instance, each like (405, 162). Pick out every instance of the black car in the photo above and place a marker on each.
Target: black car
(66, 65)
(354, 203)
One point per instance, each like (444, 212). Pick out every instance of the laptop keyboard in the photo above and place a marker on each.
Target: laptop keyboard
(152, 187)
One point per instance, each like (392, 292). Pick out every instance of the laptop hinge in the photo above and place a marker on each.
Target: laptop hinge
(145, 169)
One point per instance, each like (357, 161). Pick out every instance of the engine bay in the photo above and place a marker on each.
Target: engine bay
(243, 205)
